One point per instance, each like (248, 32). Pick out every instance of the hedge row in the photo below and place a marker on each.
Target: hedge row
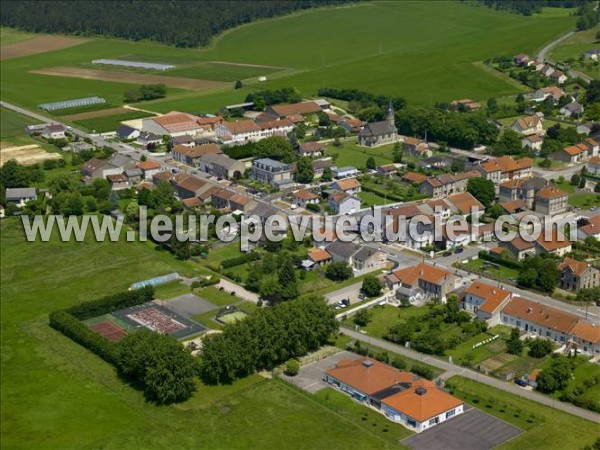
(108, 304)
(69, 321)
(239, 260)
(82, 334)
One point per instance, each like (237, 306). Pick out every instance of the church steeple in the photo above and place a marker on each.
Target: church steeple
(391, 118)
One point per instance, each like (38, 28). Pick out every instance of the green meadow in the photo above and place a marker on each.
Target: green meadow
(423, 51)
(574, 47)
(56, 394)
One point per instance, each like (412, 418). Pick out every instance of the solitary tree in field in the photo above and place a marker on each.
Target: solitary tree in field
(238, 85)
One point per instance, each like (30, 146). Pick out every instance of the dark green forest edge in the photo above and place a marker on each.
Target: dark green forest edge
(588, 17)
(178, 23)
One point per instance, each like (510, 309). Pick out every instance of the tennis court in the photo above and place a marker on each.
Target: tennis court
(109, 330)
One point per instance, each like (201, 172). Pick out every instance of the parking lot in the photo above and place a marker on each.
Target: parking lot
(310, 377)
(473, 430)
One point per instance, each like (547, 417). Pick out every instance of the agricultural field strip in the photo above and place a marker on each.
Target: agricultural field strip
(120, 77)
(41, 44)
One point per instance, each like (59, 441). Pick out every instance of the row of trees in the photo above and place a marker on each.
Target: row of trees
(158, 363)
(145, 92)
(269, 97)
(265, 339)
(173, 22)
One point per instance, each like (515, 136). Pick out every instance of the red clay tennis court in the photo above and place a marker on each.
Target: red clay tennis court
(109, 330)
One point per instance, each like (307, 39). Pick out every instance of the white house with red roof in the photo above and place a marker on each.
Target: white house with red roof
(485, 301)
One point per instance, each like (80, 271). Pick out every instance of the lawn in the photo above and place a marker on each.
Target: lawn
(544, 427)
(500, 271)
(369, 199)
(374, 424)
(574, 47)
(13, 123)
(334, 47)
(351, 154)
(110, 123)
(53, 389)
(383, 317)
(217, 297)
(170, 290)
(584, 201)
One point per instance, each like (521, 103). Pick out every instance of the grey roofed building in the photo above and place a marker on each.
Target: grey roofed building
(343, 251)
(379, 133)
(20, 195)
(572, 109)
(133, 173)
(182, 140)
(127, 132)
(118, 160)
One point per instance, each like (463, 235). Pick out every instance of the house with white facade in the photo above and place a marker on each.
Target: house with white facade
(486, 301)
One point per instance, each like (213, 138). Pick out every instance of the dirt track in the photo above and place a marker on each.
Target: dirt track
(134, 78)
(37, 45)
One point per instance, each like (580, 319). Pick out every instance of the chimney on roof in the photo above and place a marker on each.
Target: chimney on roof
(420, 391)
(367, 363)
(529, 310)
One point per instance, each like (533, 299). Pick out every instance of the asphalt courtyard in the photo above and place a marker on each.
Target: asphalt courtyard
(472, 430)
(310, 377)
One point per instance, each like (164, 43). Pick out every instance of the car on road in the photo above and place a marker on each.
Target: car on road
(459, 250)
(520, 382)
(447, 254)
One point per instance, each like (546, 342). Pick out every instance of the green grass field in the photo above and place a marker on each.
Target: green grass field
(397, 51)
(576, 45)
(543, 427)
(10, 36)
(12, 123)
(584, 201)
(56, 394)
(110, 123)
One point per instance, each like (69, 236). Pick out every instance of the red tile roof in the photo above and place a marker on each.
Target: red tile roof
(577, 267)
(422, 401)
(541, 314)
(492, 296)
(368, 380)
(431, 274)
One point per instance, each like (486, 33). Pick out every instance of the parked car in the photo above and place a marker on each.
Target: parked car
(520, 382)
(459, 250)
(447, 253)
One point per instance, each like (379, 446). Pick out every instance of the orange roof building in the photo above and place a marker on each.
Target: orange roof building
(422, 406)
(434, 281)
(349, 185)
(539, 319)
(485, 300)
(319, 255)
(402, 396)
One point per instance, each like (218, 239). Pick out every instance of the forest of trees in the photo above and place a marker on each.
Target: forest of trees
(179, 23)
(529, 7)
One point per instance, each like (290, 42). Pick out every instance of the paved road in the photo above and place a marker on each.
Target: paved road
(126, 150)
(543, 53)
(453, 369)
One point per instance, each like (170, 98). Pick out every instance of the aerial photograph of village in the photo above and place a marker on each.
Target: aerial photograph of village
(300, 224)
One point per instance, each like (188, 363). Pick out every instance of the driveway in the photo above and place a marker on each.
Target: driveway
(472, 430)
(238, 290)
(310, 377)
